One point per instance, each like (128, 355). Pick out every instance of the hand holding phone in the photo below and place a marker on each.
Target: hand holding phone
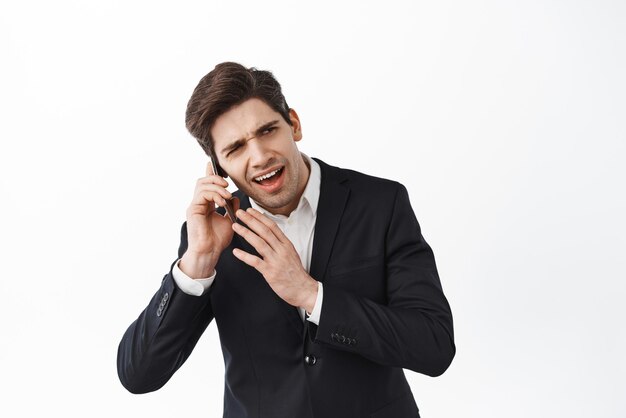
(208, 232)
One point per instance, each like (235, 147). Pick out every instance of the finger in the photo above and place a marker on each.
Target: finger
(249, 259)
(259, 228)
(209, 168)
(212, 195)
(203, 200)
(273, 227)
(256, 241)
(204, 186)
(212, 179)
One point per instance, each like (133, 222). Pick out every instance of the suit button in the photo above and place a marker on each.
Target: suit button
(310, 359)
(166, 296)
(159, 311)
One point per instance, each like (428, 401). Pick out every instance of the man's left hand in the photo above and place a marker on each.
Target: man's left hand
(280, 264)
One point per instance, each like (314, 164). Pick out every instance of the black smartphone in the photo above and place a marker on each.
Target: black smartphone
(230, 210)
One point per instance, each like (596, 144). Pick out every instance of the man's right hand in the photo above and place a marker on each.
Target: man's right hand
(208, 232)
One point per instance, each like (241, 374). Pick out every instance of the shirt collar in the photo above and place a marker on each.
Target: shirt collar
(311, 194)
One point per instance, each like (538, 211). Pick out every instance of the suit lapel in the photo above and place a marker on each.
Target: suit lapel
(333, 197)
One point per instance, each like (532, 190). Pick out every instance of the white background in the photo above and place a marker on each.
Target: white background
(504, 119)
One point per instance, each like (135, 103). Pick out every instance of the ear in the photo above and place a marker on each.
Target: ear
(296, 127)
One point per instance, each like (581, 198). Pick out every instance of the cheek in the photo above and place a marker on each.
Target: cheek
(237, 174)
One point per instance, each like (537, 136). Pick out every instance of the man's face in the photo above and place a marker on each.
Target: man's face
(252, 140)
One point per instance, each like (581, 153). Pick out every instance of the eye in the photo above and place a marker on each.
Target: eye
(268, 130)
(233, 150)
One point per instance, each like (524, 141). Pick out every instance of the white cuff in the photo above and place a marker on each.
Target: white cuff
(193, 287)
(317, 308)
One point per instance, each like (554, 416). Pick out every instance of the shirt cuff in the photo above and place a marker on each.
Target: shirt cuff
(193, 287)
(317, 308)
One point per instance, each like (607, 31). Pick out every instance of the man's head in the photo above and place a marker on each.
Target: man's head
(240, 116)
(227, 85)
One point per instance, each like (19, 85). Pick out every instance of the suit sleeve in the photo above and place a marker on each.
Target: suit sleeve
(159, 341)
(413, 330)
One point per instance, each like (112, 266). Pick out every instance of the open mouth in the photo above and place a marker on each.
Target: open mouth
(271, 180)
(269, 177)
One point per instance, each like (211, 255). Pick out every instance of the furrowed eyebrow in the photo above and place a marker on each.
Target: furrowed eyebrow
(242, 141)
(232, 146)
(265, 126)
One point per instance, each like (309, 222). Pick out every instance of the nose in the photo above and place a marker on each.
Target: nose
(258, 154)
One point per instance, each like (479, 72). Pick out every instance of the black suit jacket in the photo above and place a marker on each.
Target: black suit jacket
(383, 310)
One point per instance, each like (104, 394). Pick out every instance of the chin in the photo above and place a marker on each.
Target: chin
(274, 202)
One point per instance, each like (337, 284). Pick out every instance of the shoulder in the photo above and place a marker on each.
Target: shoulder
(361, 182)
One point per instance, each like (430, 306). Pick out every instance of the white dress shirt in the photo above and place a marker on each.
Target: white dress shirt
(299, 227)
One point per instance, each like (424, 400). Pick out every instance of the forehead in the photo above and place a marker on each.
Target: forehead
(241, 121)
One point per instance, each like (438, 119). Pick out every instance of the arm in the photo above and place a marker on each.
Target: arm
(414, 329)
(164, 334)
(161, 339)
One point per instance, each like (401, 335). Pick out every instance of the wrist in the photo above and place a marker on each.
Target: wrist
(310, 295)
(197, 266)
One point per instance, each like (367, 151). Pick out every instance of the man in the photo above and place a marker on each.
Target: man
(322, 291)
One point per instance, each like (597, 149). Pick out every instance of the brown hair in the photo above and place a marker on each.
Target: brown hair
(228, 85)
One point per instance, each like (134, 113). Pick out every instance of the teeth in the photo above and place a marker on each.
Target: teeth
(266, 176)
